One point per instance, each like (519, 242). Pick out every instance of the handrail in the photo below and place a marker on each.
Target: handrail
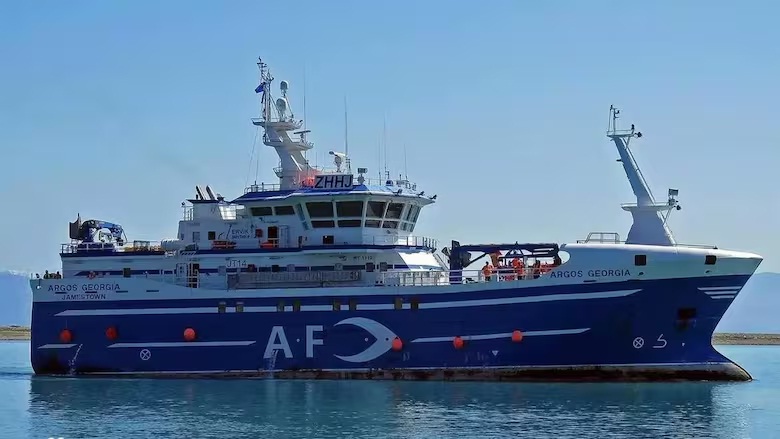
(444, 277)
(135, 246)
(602, 237)
(157, 246)
(411, 240)
(366, 181)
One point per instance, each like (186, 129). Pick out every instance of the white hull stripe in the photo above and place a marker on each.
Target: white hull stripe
(735, 288)
(725, 296)
(57, 346)
(720, 292)
(182, 344)
(363, 307)
(501, 335)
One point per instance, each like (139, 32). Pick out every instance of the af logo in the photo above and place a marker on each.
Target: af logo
(384, 340)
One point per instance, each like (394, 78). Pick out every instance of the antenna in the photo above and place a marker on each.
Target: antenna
(384, 138)
(379, 155)
(346, 135)
(304, 96)
(406, 169)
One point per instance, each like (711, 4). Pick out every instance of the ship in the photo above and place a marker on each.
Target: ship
(320, 275)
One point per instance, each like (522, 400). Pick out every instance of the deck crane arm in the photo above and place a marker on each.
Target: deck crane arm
(88, 229)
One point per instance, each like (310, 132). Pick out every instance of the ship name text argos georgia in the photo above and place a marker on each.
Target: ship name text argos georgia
(322, 276)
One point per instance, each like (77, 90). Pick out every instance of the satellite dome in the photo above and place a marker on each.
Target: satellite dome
(284, 85)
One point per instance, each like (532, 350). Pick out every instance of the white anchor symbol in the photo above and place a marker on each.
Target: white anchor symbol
(145, 354)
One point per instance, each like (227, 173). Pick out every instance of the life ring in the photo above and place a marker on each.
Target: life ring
(91, 275)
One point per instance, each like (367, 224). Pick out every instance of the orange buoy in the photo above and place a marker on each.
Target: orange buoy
(517, 336)
(111, 333)
(66, 336)
(457, 342)
(397, 344)
(189, 334)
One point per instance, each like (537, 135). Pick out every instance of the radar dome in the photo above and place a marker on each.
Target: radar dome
(281, 105)
(284, 85)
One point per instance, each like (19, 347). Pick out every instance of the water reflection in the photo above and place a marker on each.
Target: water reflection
(280, 409)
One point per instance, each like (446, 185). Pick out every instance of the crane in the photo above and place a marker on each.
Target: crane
(85, 231)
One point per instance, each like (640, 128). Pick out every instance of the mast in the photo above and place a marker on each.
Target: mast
(649, 216)
(293, 167)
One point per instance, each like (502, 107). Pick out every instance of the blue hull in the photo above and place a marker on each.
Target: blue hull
(635, 330)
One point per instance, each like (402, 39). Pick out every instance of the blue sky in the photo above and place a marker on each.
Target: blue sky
(115, 110)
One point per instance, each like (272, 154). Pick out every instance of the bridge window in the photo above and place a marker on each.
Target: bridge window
(409, 212)
(390, 225)
(323, 224)
(413, 213)
(320, 209)
(394, 210)
(405, 226)
(372, 223)
(349, 208)
(375, 209)
(284, 210)
(262, 211)
(349, 223)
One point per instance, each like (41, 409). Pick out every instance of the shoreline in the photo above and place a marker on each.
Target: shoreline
(13, 332)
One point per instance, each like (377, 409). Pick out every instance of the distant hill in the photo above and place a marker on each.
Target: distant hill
(15, 294)
(755, 309)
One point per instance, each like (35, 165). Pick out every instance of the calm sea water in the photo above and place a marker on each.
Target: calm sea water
(116, 408)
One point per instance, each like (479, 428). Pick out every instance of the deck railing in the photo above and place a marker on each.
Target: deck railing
(412, 241)
(267, 187)
(88, 247)
(614, 238)
(447, 277)
(150, 246)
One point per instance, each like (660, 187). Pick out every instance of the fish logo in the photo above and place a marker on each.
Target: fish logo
(384, 339)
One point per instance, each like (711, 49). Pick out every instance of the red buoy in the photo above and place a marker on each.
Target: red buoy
(66, 336)
(517, 336)
(397, 344)
(189, 334)
(111, 333)
(457, 342)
